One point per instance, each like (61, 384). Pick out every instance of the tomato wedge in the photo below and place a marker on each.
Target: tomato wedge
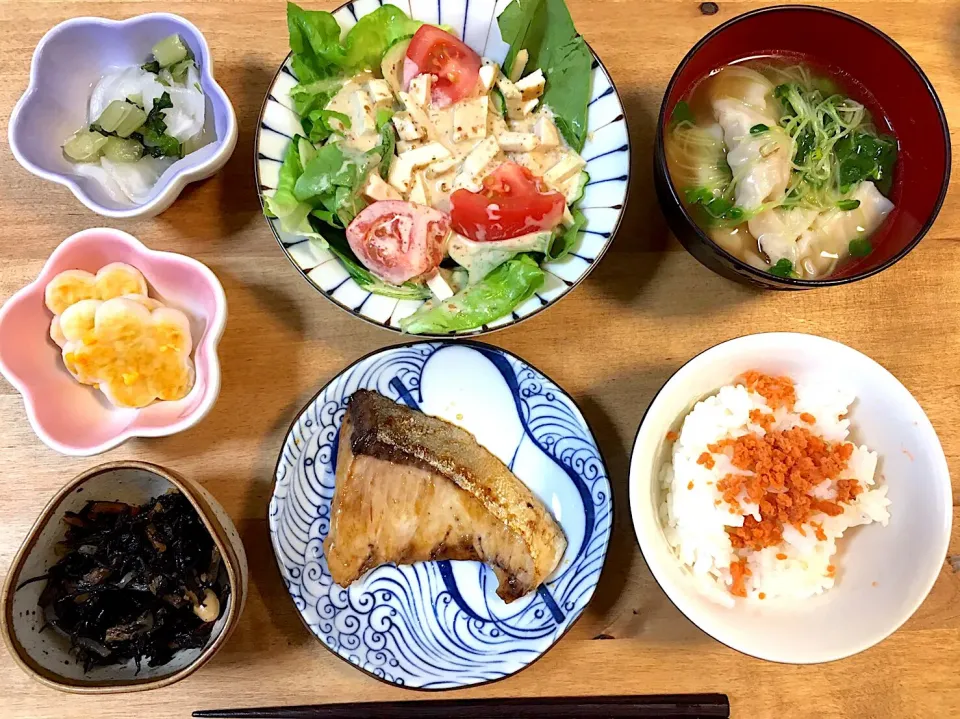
(398, 240)
(513, 202)
(437, 52)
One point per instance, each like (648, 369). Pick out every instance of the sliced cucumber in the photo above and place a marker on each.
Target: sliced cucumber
(392, 64)
(120, 150)
(134, 119)
(179, 71)
(113, 115)
(170, 51)
(85, 146)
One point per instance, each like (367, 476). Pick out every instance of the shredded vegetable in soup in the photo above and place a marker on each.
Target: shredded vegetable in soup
(781, 167)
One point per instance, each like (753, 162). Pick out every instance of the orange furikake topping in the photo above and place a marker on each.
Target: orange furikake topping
(808, 418)
(778, 391)
(762, 595)
(764, 419)
(690, 484)
(672, 436)
(706, 459)
(739, 571)
(781, 555)
(785, 465)
(819, 533)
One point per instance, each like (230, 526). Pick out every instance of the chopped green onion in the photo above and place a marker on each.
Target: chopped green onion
(681, 113)
(759, 129)
(170, 51)
(848, 204)
(120, 150)
(783, 268)
(85, 146)
(860, 247)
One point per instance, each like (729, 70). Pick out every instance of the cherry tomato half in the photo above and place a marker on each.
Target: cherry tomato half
(513, 202)
(437, 52)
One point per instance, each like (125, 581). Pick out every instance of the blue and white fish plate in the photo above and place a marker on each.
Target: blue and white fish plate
(441, 625)
(607, 152)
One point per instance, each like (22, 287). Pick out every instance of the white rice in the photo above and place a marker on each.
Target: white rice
(695, 525)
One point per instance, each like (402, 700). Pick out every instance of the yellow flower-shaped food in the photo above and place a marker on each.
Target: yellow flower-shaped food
(56, 334)
(135, 355)
(114, 280)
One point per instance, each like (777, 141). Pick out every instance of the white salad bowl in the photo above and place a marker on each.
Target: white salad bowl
(67, 63)
(607, 152)
(884, 573)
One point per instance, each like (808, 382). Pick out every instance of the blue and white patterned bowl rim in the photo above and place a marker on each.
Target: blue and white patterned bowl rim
(607, 152)
(440, 625)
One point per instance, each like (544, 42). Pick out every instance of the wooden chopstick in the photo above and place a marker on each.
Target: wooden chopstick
(670, 706)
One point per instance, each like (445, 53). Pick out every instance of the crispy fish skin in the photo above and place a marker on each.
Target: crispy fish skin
(411, 487)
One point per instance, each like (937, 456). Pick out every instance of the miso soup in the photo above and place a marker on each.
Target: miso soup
(781, 167)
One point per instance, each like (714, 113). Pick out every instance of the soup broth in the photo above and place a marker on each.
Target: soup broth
(781, 167)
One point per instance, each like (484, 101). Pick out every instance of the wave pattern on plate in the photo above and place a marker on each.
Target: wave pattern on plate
(607, 151)
(440, 625)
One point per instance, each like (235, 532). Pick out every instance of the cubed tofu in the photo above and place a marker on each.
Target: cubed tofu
(470, 119)
(528, 107)
(518, 141)
(471, 173)
(567, 218)
(570, 165)
(439, 286)
(377, 190)
(418, 114)
(532, 85)
(512, 97)
(423, 156)
(519, 65)
(407, 145)
(420, 88)
(401, 175)
(488, 76)
(418, 190)
(379, 91)
(496, 125)
(407, 128)
(361, 114)
(547, 131)
(441, 167)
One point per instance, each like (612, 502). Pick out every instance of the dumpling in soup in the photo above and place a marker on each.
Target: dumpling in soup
(742, 99)
(778, 230)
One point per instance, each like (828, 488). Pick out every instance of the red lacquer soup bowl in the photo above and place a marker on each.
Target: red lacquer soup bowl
(847, 47)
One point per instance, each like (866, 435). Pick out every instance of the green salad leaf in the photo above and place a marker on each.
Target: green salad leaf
(545, 30)
(330, 184)
(314, 96)
(373, 34)
(336, 242)
(283, 203)
(564, 242)
(316, 124)
(315, 42)
(494, 296)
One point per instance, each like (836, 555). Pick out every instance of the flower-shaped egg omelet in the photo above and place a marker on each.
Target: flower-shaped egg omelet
(113, 280)
(133, 351)
(56, 334)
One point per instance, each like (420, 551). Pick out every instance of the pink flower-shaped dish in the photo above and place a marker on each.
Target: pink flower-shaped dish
(73, 418)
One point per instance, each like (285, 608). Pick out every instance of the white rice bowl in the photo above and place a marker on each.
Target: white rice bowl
(883, 572)
(695, 517)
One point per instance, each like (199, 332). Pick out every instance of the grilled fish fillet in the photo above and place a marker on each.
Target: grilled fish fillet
(412, 488)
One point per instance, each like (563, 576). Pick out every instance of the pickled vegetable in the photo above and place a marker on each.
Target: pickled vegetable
(120, 150)
(113, 115)
(179, 71)
(133, 121)
(170, 51)
(85, 146)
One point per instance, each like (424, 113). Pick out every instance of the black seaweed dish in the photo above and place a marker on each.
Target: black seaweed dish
(890, 76)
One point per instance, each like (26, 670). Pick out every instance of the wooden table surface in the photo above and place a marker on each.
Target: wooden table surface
(646, 309)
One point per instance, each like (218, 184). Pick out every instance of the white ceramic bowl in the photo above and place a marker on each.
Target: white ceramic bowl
(69, 60)
(884, 572)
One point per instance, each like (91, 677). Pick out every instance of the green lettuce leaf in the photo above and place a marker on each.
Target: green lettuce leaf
(337, 243)
(564, 242)
(314, 96)
(545, 29)
(283, 203)
(373, 34)
(330, 184)
(315, 41)
(503, 289)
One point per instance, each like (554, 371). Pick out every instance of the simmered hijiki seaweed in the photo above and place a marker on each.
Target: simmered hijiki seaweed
(135, 582)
